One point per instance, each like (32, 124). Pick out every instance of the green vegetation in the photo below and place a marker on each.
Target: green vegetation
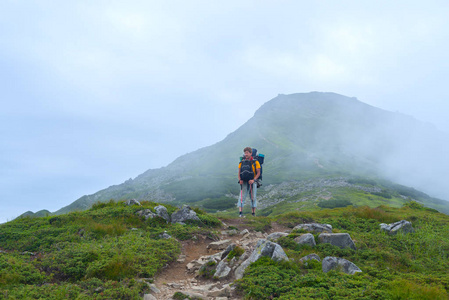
(236, 252)
(334, 203)
(104, 252)
(412, 266)
(99, 253)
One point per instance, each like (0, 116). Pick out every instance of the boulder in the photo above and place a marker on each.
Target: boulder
(339, 264)
(222, 270)
(263, 248)
(225, 292)
(149, 297)
(314, 227)
(306, 239)
(401, 226)
(162, 212)
(310, 257)
(275, 236)
(184, 214)
(147, 213)
(219, 245)
(133, 202)
(342, 240)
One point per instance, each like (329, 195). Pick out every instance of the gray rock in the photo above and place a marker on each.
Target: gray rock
(184, 214)
(147, 213)
(314, 227)
(342, 240)
(192, 295)
(230, 232)
(165, 235)
(154, 289)
(306, 239)
(223, 292)
(245, 231)
(133, 202)
(310, 257)
(339, 264)
(162, 212)
(149, 297)
(219, 245)
(276, 235)
(222, 270)
(401, 226)
(263, 248)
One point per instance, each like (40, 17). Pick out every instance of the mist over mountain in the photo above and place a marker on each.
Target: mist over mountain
(303, 136)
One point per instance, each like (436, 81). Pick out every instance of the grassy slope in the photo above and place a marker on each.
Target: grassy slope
(95, 254)
(98, 253)
(297, 196)
(412, 266)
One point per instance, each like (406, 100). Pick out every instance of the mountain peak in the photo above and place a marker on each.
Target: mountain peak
(303, 136)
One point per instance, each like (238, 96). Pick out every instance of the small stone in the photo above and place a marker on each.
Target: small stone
(243, 232)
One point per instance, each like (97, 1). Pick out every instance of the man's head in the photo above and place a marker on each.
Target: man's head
(247, 151)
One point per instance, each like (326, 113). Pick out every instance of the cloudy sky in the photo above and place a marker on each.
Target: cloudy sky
(96, 92)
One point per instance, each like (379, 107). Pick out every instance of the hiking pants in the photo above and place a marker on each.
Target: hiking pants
(246, 190)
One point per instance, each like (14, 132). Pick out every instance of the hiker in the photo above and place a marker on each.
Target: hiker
(249, 172)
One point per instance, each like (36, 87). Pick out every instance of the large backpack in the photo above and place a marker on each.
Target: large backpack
(246, 170)
(260, 158)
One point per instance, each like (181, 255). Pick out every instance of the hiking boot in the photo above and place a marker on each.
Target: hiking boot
(240, 216)
(253, 214)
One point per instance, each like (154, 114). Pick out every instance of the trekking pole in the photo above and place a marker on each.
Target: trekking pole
(241, 195)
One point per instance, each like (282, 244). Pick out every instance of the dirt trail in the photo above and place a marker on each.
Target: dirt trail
(175, 277)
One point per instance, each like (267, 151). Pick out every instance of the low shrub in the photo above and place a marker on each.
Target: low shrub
(334, 203)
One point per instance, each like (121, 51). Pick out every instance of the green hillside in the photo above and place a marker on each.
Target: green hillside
(99, 253)
(412, 266)
(304, 137)
(109, 252)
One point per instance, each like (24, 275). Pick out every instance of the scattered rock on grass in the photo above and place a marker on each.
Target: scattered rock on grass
(401, 226)
(340, 264)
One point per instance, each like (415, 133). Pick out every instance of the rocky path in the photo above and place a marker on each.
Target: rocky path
(182, 275)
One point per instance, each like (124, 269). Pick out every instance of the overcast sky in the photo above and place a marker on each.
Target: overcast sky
(96, 92)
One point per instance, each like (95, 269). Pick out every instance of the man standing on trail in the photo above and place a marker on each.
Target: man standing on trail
(249, 172)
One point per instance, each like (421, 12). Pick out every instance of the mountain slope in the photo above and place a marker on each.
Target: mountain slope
(303, 136)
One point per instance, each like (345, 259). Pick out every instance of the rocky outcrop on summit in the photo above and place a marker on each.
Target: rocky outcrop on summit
(342, 240)
(401, 226)
(184, 214)
(314, 227)
(340, 264)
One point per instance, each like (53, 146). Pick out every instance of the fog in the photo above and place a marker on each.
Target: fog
(95, 93)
